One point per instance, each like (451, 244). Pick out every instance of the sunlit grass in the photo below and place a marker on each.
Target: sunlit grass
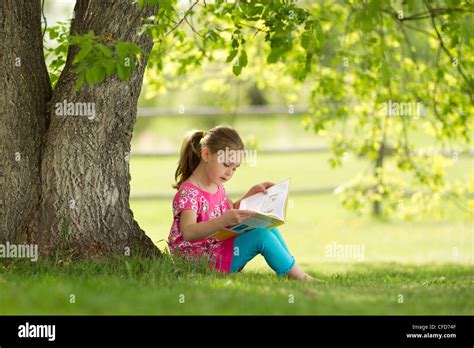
(157, 287)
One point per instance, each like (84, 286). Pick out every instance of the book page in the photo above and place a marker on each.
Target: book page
(253, 202)
(272, 203)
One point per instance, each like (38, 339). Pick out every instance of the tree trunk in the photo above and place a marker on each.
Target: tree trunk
(85, 181)
(377, 205)
(24, 94)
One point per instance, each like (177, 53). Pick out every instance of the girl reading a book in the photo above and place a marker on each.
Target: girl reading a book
(202, 208)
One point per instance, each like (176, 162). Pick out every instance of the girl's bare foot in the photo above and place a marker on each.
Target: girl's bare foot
(297, 273)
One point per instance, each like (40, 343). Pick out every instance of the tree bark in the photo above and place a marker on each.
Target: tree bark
(83, 178)
(24, 95)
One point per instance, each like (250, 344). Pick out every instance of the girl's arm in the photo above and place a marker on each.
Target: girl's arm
(192, 230)
(253, 190)
(236, 204)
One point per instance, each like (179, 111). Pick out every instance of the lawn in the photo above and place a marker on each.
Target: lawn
(422, 267)
(159, 287)
(402, 267)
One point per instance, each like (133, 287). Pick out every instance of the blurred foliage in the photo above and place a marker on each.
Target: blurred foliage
(56, 56)
(389, 67)
(376, 70)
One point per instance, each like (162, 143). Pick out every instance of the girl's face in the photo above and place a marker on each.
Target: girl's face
(218, 168)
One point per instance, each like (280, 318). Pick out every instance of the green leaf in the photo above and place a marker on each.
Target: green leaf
(79, 82)
(105, 50)
(125, 49)
(231, 56)
(243, 60)
(236, 69)
(90, 35)
(235, 44)
(374, 7)
(273, 56)
(95, 74)
(385, 72)
(109, 66)
(133, 48)
(123, 71)
(122, 49)
(53, 34)
(166, 5)
(91, 76)
(83, 52)
(305, 40)
(80, 68)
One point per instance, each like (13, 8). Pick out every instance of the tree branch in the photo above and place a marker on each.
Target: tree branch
(182, 19)
(44, 18)
(430, 13)
(441, 42)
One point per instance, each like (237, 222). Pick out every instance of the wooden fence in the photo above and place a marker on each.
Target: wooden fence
(251, 111)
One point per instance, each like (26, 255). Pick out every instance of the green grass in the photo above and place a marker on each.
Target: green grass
(156, 287)
(412, 259)
(427, 261)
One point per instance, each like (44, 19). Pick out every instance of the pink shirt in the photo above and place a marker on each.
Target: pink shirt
(207, 206)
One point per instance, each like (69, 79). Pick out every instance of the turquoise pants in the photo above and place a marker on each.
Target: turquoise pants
(269, 243)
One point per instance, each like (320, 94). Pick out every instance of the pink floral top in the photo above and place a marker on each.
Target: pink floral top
(207, 206)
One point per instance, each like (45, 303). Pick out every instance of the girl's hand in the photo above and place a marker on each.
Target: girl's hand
(259, 188)
(234, 216)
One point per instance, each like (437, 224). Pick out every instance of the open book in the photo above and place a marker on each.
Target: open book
(270, 211)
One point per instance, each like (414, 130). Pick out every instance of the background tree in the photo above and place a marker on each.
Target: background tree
(393, 72)
(389, 81)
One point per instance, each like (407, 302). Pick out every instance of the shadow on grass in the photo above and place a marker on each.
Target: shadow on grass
(172, 286)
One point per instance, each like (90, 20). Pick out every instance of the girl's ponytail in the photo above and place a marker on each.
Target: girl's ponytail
(190, 157)
(215, 139)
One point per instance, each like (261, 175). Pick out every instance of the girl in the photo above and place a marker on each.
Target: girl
(201, 208)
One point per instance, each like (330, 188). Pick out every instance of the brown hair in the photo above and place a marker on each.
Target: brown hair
(215, 139)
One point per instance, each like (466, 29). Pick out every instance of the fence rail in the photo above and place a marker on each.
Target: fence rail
(169, 196)
(266, 151)
(293, 150)
(297, 192)
(252, 111)
(255, 110)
